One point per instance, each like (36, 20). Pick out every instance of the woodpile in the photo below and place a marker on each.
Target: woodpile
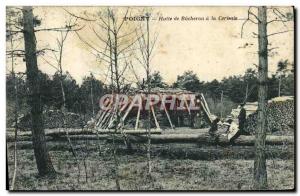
(280, 117)
(53, 119)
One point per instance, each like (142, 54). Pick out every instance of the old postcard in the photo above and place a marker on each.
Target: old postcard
(150, 98)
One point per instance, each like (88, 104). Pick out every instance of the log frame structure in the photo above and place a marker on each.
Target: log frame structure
(105, 118)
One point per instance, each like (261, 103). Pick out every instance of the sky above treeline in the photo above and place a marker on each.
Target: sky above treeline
(206, 40)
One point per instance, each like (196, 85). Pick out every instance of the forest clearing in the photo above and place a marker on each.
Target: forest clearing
(135, 99)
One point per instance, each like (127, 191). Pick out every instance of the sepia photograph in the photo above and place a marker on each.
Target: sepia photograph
(150, 98)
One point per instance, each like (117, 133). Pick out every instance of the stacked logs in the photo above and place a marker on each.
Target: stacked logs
(280, 118)
(53, 119)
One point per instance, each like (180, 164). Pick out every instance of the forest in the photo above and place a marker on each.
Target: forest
(235, 89)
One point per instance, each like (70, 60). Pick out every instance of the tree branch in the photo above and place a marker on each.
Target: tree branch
(79, 17)
(119, 28)
(92, 47)
(60, 29)
(248, 19)
(279, 33)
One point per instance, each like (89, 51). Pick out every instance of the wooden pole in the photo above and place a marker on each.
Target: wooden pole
(155, 120)
(169, 119)
(138, 116)
(167, 113)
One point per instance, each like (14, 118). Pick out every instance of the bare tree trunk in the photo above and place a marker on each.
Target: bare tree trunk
(43, 160)
(114, 42)
(92, 97)
(16, 110)
(118, 89)
(64, 108)
(116, 164)
(260, 171)
(148, 92)
(279, 86)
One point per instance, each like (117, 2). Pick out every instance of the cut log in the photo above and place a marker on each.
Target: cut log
(203, 139)
(139, 136)
(206, 139)
(62, 132)
(270, 140)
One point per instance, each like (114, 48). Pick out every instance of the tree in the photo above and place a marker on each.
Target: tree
(250, 79)
(10, 88)
(59, 67)
(288, 85)
(46, 89)
(260, 19)
(156, 80)
(14, 91)
(234, 88)
(189, 81)
(42, 156)
(282, 83)
(213, 89)
(71, 91)
(91, 90)
(148, 78)
(260, 170)
(281, 69)
(146, 45)
(115, 50)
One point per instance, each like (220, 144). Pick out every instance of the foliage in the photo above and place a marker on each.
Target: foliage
(78, 97)
(156, 80)
(189, 81)
(91, 88)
